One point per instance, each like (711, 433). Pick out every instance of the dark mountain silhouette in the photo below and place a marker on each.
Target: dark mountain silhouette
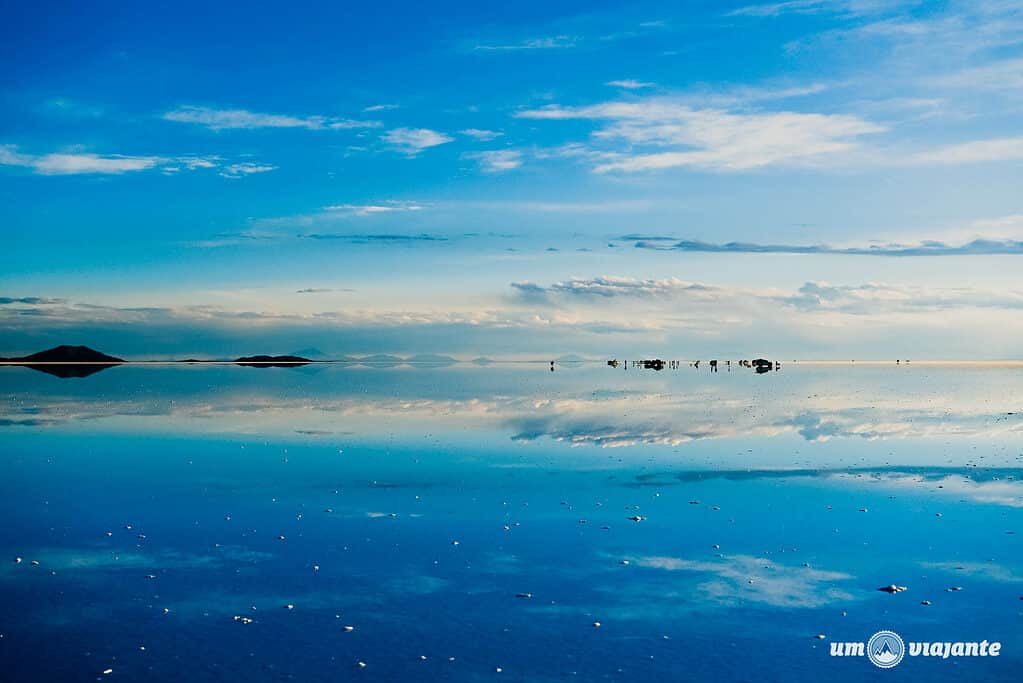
(68, 354)
(69, 361)
(272, 361)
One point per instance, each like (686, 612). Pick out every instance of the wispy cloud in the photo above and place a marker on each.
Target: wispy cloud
(975, 151)
(955, 32)
(228, 119)
(380, 107)
(630, 84)
(85, 163)
(35, 300)
(480, 134)
(608, 286)
(390, 206)
(1002, 76)
(865, 299)
(975, 247)
(364, 238)
(710, 138)
(323, 290)
(412, 141)
(78, 163)
(497, 161)
(245, 168)
(851, 7)
(547, 43)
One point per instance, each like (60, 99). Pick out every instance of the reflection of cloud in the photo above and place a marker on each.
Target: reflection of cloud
(607, 418)
(986, 570)
(99, 559)
(417, 585)
(1007, 492)
(742, 579)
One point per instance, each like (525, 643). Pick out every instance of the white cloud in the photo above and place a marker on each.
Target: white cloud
(390, 206)
(82, 163)
(480, 134)
(549, 43)
(350, 124)
(497, 161)
(1000, 76)
(630, 84)
(244, 169)
(412, 141)
(608, 286)
(380, 107)
(867, 299)
(711, 138)
(851, 7)
(229, 119)
(995, 149)
(77, 163)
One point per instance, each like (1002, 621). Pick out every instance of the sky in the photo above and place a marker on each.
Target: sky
(828, 179)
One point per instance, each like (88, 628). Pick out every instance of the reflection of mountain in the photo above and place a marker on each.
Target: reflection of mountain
(431, 360)
(71, 371)
(69, 361)
(382, 359)
(272, 361)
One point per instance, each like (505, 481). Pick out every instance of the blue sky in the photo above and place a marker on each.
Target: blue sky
(814, 178)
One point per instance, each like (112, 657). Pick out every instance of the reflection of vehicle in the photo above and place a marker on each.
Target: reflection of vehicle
(762, 365)
(613, 363)
(656, 364)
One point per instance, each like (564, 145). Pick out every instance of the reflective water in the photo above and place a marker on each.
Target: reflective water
(466, 519)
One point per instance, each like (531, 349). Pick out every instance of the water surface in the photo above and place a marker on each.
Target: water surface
(467, 519)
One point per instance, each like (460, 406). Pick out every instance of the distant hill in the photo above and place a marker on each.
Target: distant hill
(482, 360)
(67, 354)
(570, 358)
(272, 361)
